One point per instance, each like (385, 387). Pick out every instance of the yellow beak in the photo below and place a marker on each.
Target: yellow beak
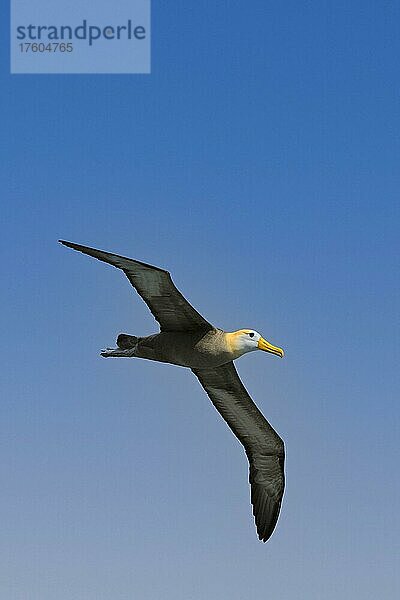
(267, 347)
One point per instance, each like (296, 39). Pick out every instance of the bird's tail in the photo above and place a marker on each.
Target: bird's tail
(126, 341)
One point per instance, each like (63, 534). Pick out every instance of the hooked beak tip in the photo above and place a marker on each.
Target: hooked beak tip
(267, 347)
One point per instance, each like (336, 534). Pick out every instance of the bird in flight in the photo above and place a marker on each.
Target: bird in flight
(188, 340)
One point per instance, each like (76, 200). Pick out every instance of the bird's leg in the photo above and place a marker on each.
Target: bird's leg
(118, 353)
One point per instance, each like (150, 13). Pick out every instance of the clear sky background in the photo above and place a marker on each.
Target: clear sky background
(259, 164)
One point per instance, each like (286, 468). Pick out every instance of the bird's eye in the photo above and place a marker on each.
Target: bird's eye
(251, 334)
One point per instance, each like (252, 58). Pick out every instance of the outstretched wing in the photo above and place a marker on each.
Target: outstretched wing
(172, 311)
(264, 448)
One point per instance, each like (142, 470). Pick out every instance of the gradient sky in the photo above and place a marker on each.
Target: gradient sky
(259, 164)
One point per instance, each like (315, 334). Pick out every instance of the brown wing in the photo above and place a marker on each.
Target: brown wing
(172, 311)
(264, 448)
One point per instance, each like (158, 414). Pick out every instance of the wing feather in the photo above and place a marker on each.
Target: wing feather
(264, 448)
(169, 307)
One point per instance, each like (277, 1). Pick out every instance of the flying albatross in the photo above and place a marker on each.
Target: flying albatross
(187, 339)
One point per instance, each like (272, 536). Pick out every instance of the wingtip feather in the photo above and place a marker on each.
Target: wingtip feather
(68, 244)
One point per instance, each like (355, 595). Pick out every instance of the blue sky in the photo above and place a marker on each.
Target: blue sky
(259, 164)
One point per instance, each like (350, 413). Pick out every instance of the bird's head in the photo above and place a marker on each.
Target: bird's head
(248, 340)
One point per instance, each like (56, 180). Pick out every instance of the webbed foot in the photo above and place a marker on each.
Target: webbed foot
(117, 353)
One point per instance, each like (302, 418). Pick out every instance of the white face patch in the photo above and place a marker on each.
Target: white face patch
(245, 340)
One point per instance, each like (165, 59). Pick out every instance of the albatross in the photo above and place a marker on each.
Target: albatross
(187, 339)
